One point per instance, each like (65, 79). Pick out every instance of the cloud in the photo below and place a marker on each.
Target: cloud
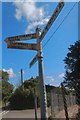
(49, 80)
(34, 15)
(29, 10)
(36, 23)
(10, 72)
(61, 75)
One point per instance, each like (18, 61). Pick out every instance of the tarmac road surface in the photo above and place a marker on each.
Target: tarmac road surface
(21, 114)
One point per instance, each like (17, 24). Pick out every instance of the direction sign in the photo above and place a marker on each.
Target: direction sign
(33, 61)
(21, 37)
(52, 19)
(20, 45)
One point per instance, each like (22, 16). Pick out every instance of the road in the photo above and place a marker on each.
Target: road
(21, 114)
(28, 114)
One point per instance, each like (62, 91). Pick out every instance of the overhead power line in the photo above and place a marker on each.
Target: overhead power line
(59, 25)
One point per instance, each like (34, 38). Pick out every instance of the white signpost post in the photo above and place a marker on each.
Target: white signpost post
(11, 41)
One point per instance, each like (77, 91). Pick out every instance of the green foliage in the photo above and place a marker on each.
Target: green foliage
(5, 87)
(0, 90)
(5, 76)
(49, 88)
(72, 61)
(24, 98)
(0, 85)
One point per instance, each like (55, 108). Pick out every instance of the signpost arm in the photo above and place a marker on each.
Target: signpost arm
(43, 101)
(52, 19)
(21, 37)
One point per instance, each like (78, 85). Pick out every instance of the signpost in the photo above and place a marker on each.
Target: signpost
(34, 60)
(11, 41)
(50, 22)
(18, 45)
(21, 37)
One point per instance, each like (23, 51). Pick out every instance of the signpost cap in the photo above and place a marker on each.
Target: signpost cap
(38, 28)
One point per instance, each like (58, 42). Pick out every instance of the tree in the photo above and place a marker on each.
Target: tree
(24, 98)
(72, 75)
(5, 76)
(0, 90)
(7, 88)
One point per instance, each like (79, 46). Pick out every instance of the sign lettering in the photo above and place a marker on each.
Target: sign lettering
(18, 45)
(21, 37)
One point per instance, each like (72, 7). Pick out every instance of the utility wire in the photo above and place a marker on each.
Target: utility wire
(59, 25)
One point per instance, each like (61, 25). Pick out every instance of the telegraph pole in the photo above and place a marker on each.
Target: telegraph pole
(43, 101)
(22, 78)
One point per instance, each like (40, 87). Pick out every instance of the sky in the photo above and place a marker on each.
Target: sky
(20, 18)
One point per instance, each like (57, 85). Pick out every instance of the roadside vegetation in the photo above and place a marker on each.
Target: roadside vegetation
(6, 88)
(72, 74)
(23, 97)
